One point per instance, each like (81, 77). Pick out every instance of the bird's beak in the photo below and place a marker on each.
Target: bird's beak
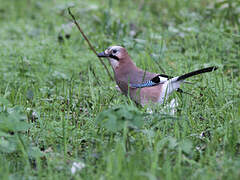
(102, 54)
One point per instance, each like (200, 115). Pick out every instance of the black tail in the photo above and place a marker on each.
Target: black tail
(200, 71)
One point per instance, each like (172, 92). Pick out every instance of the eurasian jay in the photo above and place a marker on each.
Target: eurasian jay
(143, 87)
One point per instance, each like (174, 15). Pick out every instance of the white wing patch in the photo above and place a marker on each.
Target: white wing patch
(167, 88)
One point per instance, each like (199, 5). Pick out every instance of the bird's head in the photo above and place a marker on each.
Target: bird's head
(116, 54)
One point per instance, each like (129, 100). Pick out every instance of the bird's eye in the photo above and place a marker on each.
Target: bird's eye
(114, 51)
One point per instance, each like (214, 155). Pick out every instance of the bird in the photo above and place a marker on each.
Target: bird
(143, 87)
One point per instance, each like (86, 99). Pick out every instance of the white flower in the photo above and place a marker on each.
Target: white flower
(149, 111)
(77, 166)
(28, 109)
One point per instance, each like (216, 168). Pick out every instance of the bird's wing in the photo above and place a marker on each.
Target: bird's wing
(159, 79)
(156, 81)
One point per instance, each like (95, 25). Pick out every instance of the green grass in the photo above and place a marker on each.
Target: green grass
(58, 106)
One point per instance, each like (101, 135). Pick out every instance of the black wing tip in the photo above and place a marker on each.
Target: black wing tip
(156, 79)
(166, 76)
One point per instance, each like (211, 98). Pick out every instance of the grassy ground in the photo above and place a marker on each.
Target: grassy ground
(58, 106)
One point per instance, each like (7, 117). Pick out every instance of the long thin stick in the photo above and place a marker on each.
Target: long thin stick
(89, 44)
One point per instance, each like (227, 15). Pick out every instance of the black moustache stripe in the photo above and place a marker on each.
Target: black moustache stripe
(114, 57)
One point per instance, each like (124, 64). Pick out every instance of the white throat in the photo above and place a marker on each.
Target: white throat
(114, 63)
